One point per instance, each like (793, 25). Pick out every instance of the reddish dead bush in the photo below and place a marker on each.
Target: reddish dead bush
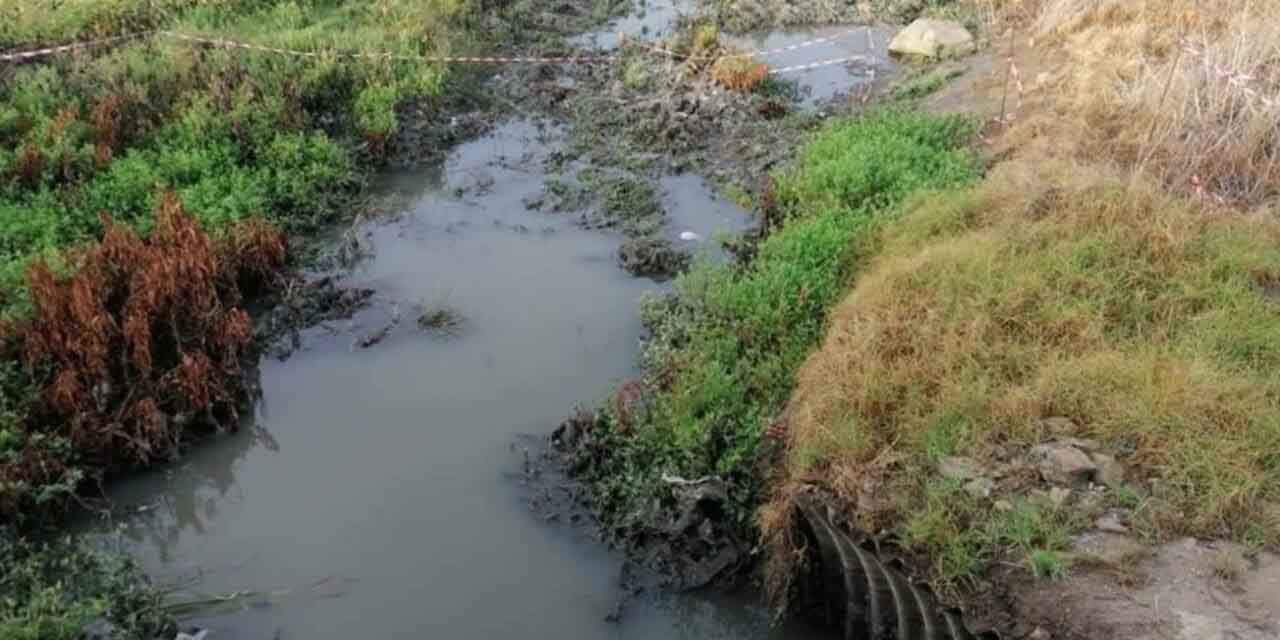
(30, 166)
(144, 339)
(107, 117)
(739, 74)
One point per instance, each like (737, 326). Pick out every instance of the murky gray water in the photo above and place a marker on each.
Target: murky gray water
(651, 20)
(373, 497)
(826, 82)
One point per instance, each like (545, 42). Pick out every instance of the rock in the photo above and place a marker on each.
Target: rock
(1111, 522)
(1063, 464)
(1040, 634)
(689, 236)
(696, 501)
(933, 39)
(1111, 548)
(1059, 425)
(980, 488)
(1059, 496)
(957, 468)
(1111, 473)
(194, 634)
(1003, 506)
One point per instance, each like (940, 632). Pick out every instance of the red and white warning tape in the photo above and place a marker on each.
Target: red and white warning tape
(16, 56)
(822, 63)
(235, 44)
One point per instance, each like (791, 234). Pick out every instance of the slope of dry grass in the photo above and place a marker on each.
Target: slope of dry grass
(1119, 268)
(1187, 91)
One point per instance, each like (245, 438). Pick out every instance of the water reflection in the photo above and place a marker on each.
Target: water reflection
(190, 495)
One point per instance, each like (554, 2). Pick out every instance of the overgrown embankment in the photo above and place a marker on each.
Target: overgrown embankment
(725, 346)
(114, 138)
(148, 188)
(1087, 339)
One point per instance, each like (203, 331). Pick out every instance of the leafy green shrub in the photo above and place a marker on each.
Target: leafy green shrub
(53, 591)
(376, 110)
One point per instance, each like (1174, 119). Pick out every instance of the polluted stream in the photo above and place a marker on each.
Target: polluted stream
(377, 491)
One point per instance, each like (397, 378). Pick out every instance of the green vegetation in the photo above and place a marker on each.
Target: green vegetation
(237, 134)
(247, 143)
(725, 347)
(53, 591)
(921, 85)
(961, 533)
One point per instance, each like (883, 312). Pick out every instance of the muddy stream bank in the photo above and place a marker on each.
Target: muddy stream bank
(379, 490)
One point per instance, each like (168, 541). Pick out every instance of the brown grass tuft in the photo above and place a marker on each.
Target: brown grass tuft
(1188, 92)
(739, 74)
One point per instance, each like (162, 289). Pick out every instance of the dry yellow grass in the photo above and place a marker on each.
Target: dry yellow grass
(1185, 90)
(1120, 267)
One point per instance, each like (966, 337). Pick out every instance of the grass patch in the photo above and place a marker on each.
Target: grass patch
(1053, 290)
(237, 134)
(53, 591)
(922, 85)
(726, 346)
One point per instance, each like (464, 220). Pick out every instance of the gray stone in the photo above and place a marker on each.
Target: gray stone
(933, 39)
(1059, 496)
(1112, 522)
(980, 488)
(956, 468)
(1111, 548)
(1063, 464)
(1003, 506)
(1110, 471)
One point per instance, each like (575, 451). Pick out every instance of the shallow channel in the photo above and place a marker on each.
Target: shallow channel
(376, 491)
(376, 494)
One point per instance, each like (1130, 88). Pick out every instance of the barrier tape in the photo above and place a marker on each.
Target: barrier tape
(821, 63)
(235, 44)
(17, 56)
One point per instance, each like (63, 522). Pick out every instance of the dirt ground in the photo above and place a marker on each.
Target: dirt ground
(1185, 590)
(1118, 587)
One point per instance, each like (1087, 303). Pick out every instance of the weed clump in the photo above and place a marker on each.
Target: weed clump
(442, 320)
(136, 342)
(739, 74)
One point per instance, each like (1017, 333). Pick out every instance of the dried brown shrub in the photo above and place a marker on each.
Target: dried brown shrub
(30, 166)
(146, 335)
(739, 74)
(107, 117)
